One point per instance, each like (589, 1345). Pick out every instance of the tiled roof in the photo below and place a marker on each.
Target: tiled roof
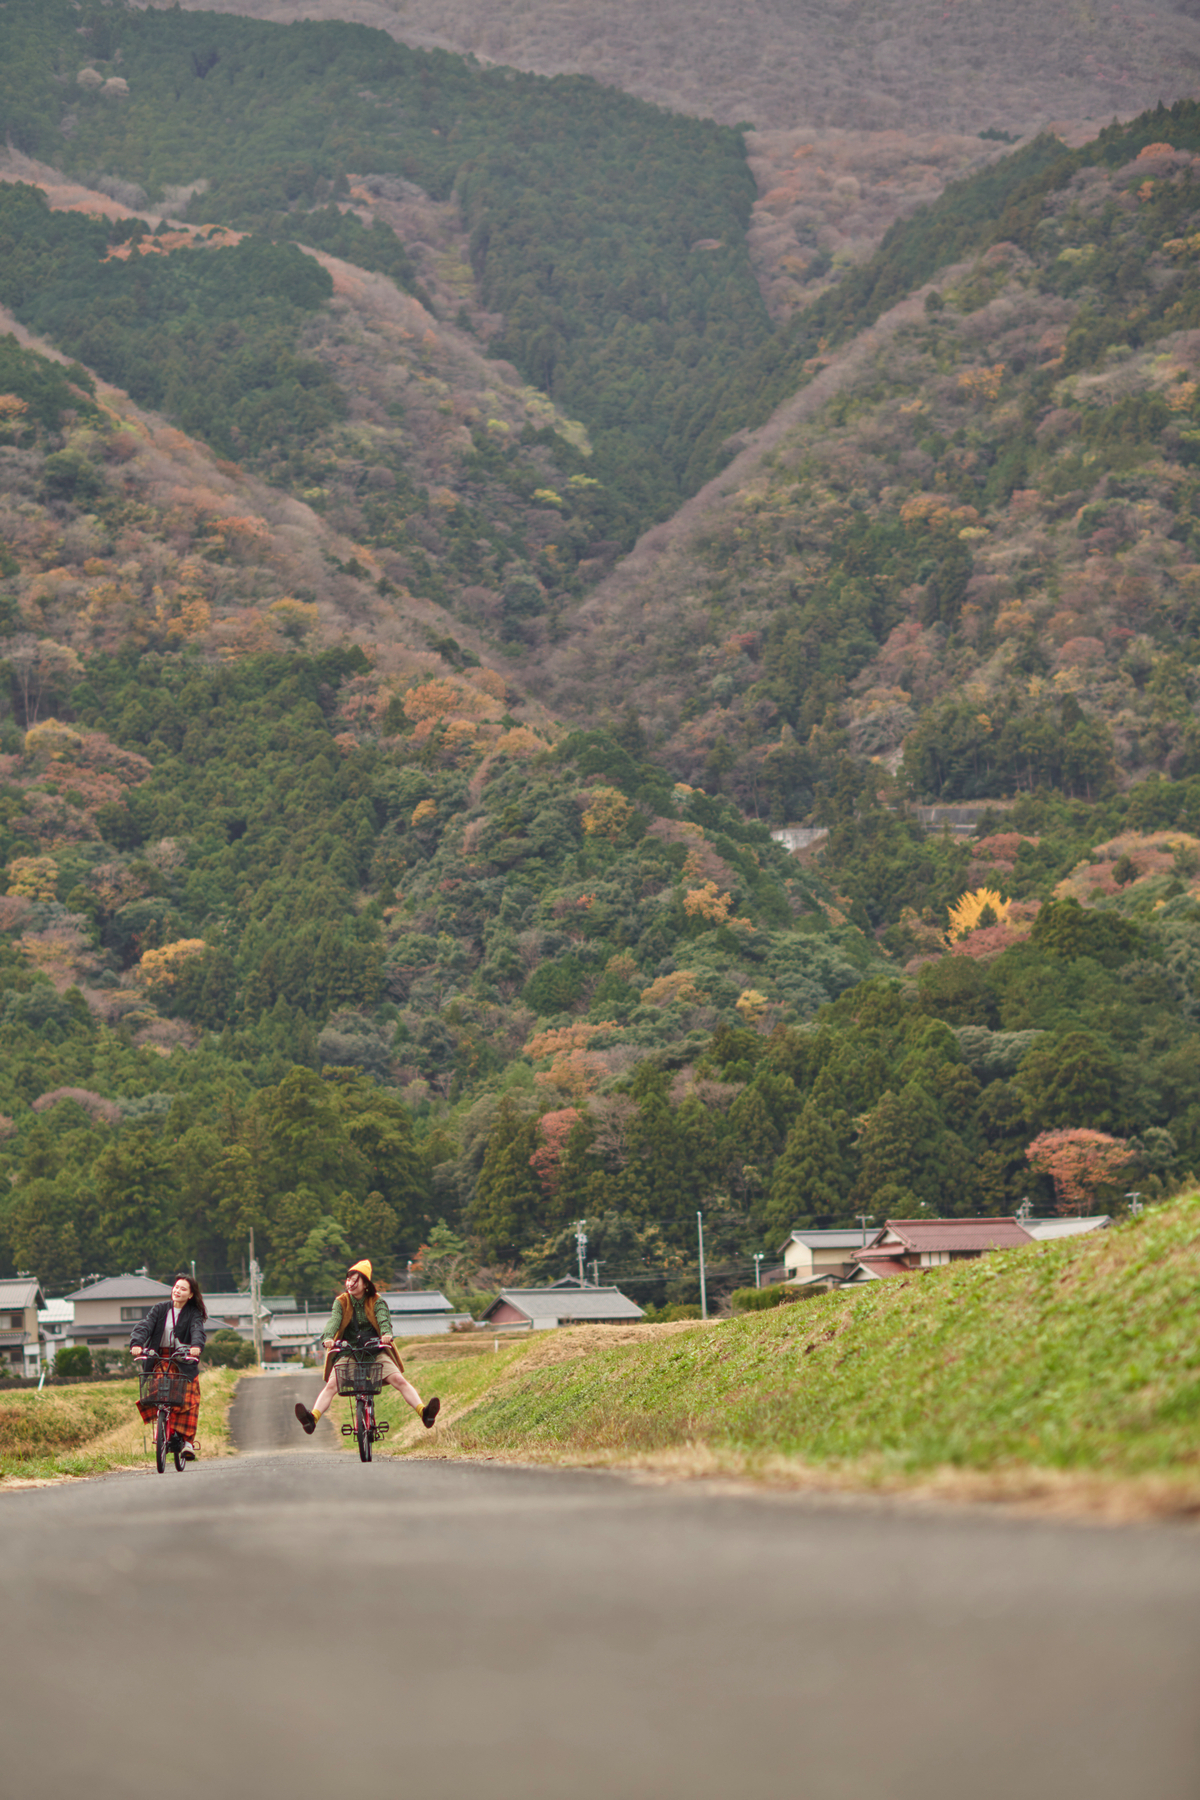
(420, 1301)
(602, 1304)
(953, 1234)
(431, 1325)
(21, 1290)
(880, 1262)
(827, 1240)
(294, 1326)
(1060, 1228)
(122, 1287)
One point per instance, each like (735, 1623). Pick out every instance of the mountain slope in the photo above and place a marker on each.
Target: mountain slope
(877, 63)
(974, 519)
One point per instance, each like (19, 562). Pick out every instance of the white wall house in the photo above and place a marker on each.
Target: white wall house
(814, 1255)
(20, 1339)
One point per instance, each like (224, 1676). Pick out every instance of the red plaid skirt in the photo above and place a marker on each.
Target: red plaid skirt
(182, 1418)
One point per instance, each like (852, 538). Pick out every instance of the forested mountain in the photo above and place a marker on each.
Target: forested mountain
(875, 64)
(382, 874)
(609, 235)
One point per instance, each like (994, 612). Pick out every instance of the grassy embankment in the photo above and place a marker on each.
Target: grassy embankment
(94, 1428)
(1066, 1374)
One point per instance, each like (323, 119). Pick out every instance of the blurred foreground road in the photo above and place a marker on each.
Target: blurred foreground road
(442, 1631)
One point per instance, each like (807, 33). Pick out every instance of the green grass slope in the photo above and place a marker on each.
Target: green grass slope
(1081, 1356)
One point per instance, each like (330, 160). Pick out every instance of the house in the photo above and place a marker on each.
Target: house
(106, 1311)
(544, 1308)
(20, 1340)
(291, 1336)
(234, 1311)
(56, 1322)
(905, 1244)
(424, 1313)
(288, 1333)
(814, 1255)
(231, 1312)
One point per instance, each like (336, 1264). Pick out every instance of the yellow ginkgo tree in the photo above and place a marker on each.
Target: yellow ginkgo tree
(969, 912)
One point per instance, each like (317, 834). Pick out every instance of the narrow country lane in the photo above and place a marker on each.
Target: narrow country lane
(263, 1414)
(291, 1625)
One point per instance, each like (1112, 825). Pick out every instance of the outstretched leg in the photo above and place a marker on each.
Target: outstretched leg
(321, 1405)
(428, 1409)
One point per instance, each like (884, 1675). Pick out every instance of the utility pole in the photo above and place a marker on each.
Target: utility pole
(256, 1302)
(703, 1289)
(595, 1271)
(581, 1247)
(758, 1256)
(864, 1220)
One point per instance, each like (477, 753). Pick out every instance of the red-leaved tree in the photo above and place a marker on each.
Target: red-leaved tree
(546, 1161)
(1079, 1161)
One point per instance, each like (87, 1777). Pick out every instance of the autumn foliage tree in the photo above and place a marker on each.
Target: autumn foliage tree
(546, 1161)
(1079, 1162)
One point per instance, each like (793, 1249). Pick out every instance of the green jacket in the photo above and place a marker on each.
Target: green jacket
(360, 1326)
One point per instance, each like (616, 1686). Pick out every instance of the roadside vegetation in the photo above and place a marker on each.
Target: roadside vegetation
(91, 1430)
(1069, 1362)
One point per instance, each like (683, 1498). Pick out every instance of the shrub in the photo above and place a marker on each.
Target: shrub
(227, 1349)
(74, 1360)
(757, 1299)
(663, 1315)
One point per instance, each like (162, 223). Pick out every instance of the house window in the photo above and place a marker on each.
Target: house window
(131, 1314)
(16, 1320)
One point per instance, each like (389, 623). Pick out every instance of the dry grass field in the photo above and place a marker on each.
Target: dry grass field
(94, 1428)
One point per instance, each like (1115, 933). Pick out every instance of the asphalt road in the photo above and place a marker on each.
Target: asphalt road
(263, 1414)
(291, 1624)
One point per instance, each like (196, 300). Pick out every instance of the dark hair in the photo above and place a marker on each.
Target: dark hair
(197, 1298)
(369, 1288)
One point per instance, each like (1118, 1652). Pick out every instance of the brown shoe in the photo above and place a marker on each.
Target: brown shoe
(430, 1411)
(305, 1417)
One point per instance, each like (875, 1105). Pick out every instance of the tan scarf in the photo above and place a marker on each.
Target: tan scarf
(347, 1307)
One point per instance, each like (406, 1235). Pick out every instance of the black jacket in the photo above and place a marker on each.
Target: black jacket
(189, 1326)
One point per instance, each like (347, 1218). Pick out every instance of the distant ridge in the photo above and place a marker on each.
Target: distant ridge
(879, 63)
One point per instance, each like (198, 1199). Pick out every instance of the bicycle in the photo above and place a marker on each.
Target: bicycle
(360, 1380)
(163, 1383)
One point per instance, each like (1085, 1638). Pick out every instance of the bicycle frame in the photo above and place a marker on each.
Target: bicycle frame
(361, 1392)
(173, 1365)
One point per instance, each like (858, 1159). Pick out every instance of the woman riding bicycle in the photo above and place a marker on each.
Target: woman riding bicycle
(359, 1315)
(175, 1325)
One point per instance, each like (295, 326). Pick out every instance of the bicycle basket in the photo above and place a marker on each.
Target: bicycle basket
(358, 1377)
(163, 1387)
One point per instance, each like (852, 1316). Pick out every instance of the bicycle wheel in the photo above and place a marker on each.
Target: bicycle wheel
(160, 1441)
(179, 1461)
(362, 1424)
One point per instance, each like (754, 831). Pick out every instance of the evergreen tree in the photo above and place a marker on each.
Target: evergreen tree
(815, 1174)
(507, 1212)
